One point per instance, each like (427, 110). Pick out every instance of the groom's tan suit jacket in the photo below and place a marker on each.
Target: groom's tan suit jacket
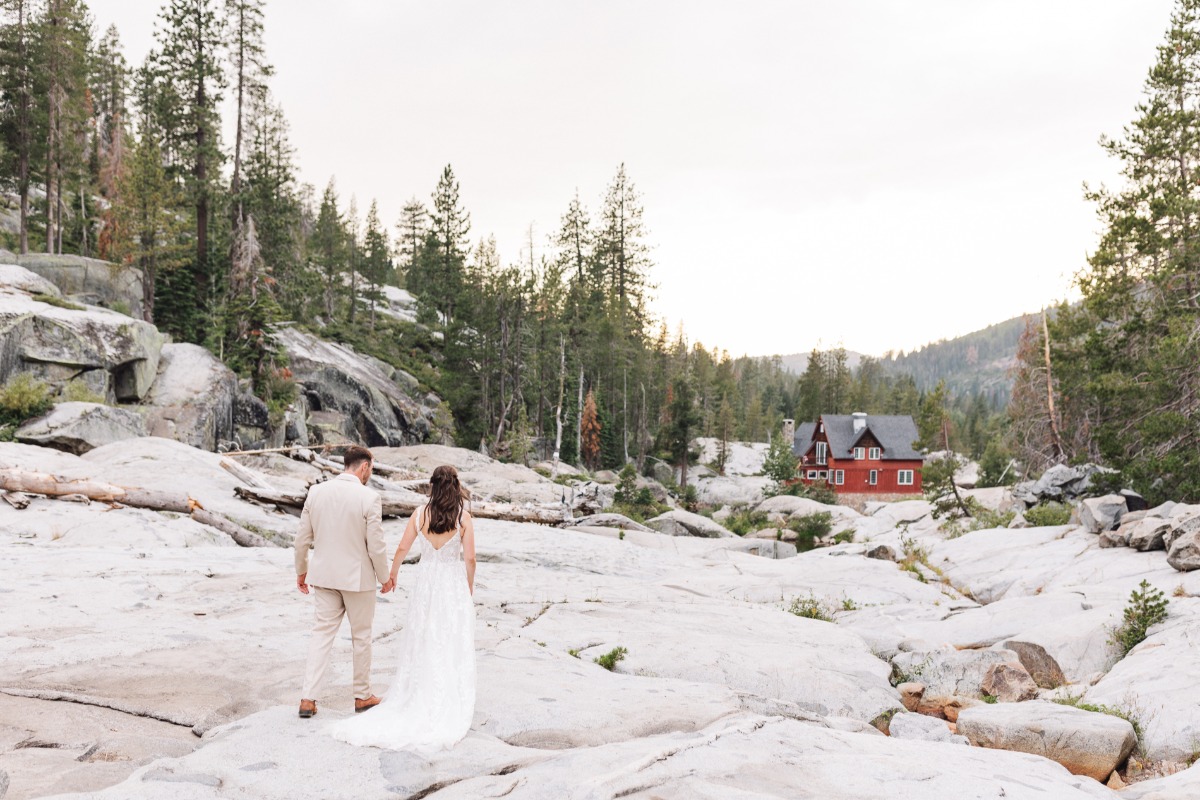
(342, 522)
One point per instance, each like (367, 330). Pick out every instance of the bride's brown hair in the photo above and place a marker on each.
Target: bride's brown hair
(445, 500)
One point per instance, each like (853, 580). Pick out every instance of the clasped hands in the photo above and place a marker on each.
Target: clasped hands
(387, 587)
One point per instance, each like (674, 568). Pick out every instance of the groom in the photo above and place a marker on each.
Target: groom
(342, 522)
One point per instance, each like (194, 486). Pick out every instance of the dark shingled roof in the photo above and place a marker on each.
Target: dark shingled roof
(896, 435)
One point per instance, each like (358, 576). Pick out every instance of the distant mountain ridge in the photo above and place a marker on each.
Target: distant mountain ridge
(978, 362)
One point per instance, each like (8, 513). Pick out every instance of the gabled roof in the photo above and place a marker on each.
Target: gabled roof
(896, 435)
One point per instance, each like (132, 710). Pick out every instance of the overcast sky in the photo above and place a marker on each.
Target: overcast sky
(873, 173)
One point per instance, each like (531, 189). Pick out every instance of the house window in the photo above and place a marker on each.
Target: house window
(859, 453)
(822, 452)
(904, 477)
(812, 474)
(823, 475)
(874, 454)
(839, 477)
(873, 478)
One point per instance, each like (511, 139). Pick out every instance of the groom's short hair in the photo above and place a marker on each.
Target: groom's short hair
(355, 455)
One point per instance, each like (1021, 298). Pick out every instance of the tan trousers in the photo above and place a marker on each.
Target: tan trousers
(328, 606)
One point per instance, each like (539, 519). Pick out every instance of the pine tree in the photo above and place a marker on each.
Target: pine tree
(377, 260)
(191, 37)
(681, 425)
(18, 127)
(440, 271)
(248, 63)
(147, 227)
(327, 245)
(62, 39)
(1127, 360)
(411, 233)
(110, 89)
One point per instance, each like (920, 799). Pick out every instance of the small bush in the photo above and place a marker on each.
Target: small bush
(1045, 515)
(609, 660)
(51, 300)
(820, 492)
(746, 521)
(843, 537)
(849, 605)
(1147, 607)
(78, 392)
(811, 527)
(690, 497)
(810, 608)
(990, 699)
(22, 398)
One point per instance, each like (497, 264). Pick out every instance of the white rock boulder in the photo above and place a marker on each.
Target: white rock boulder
(80, 427)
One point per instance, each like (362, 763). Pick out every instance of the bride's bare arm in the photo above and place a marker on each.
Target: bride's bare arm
(468, 542)
(406, 543)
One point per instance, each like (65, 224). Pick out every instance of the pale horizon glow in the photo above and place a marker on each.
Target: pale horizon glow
(878, 175)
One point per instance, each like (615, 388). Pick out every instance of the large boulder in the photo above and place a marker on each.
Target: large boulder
(90, 281)
(1009, 683)
(192, 399)
(1147, 533)
(80, 427)
(375, 409)
(1099, 514)
(1060, 482)
(732, 490)
(947, 672)
(57, 342)
(1184, 554)
(684, 523)
(1084, 742)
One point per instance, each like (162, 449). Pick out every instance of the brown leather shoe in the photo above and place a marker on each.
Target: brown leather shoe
(365, 705)
(308, 708)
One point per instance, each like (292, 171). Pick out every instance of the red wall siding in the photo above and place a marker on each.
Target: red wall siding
(858, 471)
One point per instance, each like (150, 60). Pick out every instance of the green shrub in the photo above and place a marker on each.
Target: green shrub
(1147, 607)
(690, 497)
(746, 521)
(820, 492)
(51, 300)
(77, 391)
(22, 398)
(810, 608)
(609, 660)
(843, 537)
(811, 527)
(1045, 515)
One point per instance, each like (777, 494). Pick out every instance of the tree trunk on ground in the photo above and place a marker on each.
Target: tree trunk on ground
(27, 481)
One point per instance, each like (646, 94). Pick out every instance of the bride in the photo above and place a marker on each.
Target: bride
(432, 699)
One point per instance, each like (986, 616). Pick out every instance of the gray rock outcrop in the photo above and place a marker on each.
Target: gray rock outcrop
(80, 427)
(360, 401)
(89, 281)
(1060, 482)
(115, 356)
(192, 398)
(1084, 742)
(1184, 554)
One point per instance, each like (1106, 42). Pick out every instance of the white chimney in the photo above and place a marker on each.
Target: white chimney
(860, 422)
(789, 430)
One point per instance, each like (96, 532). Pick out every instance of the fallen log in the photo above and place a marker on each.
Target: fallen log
(20, 480)
(395, 505)
(60, 488)
(242, 474)
(243, 537)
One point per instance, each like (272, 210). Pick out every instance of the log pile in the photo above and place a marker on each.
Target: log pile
(25, 482)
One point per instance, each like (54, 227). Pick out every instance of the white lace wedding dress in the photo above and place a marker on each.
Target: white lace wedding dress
(432, 699)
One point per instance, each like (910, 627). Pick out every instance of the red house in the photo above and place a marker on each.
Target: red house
(858, 454)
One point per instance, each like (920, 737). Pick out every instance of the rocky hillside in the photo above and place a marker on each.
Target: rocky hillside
(62, 323)
(147, 653)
